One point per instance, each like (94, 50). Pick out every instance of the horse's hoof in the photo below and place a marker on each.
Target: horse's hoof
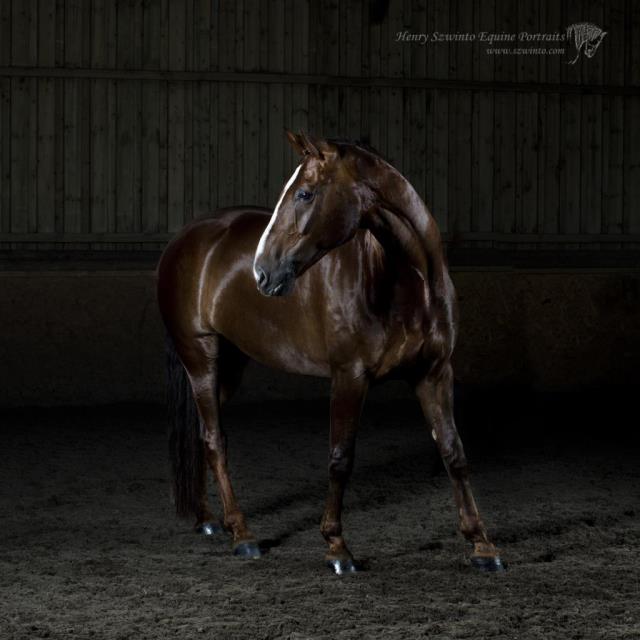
(489, 564)
(340, 566)
(207, 529)
(247, 549)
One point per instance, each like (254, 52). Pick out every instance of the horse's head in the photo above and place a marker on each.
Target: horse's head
(319, 209)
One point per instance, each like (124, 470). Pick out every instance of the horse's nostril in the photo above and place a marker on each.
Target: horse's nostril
(261, 276)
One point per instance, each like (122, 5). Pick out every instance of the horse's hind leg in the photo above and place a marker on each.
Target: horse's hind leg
(435, 393)
(206, 523)
(231, 364)
(202, 359)
(347, 396)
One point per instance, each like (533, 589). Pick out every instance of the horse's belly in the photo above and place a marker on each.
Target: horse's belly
(277, 350)
(289, 358)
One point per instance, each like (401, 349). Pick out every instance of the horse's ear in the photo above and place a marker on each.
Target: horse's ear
(306, 145)
(310, 146)
(296, 142)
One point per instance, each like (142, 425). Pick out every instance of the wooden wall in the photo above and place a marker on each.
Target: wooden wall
(121, 120)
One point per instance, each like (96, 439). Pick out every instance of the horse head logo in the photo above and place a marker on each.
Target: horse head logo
(587, 38)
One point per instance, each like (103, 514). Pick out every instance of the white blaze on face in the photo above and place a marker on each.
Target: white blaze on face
(263, 239)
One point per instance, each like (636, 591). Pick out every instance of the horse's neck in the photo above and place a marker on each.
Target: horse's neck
(402, 224)
(397, 235)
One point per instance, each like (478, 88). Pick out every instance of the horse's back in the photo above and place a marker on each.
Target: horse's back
(203, 233)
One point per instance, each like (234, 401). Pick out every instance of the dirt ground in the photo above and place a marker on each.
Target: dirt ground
(90, 547)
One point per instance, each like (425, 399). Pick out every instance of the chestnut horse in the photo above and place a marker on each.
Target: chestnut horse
(351, 284)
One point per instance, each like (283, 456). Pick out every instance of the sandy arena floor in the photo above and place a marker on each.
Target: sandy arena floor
(90, 547)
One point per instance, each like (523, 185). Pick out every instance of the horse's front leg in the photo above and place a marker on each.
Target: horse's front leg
(348, 391)
(435, 393)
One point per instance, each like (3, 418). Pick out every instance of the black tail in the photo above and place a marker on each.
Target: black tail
(185, 444)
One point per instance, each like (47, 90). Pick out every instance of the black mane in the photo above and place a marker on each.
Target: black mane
(362, 144)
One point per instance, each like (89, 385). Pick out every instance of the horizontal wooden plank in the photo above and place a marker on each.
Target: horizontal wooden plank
(133, 261)
(458, 238)
(325, 80)
(149, 113)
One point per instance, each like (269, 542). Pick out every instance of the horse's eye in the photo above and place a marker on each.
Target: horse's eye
(303, 195)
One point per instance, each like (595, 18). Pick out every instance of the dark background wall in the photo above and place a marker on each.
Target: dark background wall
(94, 336)
(120, 121)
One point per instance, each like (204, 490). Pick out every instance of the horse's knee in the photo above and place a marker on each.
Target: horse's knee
(452, 451)
(340, 462)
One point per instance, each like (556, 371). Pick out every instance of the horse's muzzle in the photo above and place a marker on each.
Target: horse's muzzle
(277, 282)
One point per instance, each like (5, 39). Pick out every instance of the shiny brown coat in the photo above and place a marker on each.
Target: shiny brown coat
(345, 279)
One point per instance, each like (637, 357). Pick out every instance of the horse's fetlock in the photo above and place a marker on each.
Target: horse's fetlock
(234, 521)
(472, 529)
(331, 529)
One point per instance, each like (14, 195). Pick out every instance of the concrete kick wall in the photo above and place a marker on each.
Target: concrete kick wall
(92, 337)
